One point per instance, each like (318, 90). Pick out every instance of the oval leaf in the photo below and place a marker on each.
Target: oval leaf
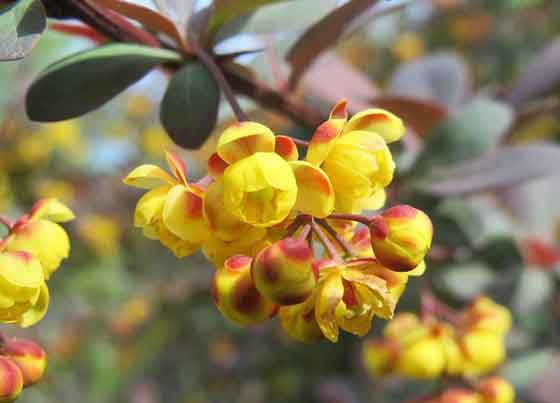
(84, 81)
(189, 109)
(466, 134)
(21, 26)
(323, 35)
(503, 169)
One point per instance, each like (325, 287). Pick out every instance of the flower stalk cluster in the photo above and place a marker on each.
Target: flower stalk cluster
(283, 230)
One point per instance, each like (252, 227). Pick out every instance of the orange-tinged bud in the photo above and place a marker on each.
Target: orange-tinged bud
(485, 314)
(11, 380)
(401, 237)
(458, 395)
(236, 296)
(283, 272)
(483, 350)
(29, 357)
(423, 359)
(379, 356)
(496, 390)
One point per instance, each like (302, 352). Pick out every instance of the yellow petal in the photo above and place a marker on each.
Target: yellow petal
(315, 192)
(149, 210)
(51, 209)
(379, 121)
(243, 139)
(177, 166)
(148, 177)
(286, 148)
(38, 310)
(329, 295)
(182, 214)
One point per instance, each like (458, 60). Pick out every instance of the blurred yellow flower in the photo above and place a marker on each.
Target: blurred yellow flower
(58, 189)
(155, 141)
(101, 233)
(408, 46)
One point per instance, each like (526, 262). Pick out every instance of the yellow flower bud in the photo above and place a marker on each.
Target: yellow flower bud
(283, 272)
(485, 314)
(458, 395)
(236, 296)
(379, 356)
(11, 380)
(29, 357)
(401, 237)
(423, 359)
(483, 351)
(496, 390)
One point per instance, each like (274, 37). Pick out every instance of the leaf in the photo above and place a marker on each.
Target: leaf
(541, 77)
(456, 222)
(467, 133)
(442, 78)
(463, 282)
(198, 25)
(189, 108)
(227, 10)
(323, 35)
(21, 26)
(502, 254)
(533, 292)
(351, 83)
(524, 369)
(145, 16)
(421, 115)
(176, 10)
(506, 168)
(86, 80)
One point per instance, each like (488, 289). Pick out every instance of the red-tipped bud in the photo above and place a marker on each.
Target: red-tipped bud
(401, 237)
(496, 390)
(236, 296)
(458, 395)
(11, 380)
(283, 272)
(29, 357)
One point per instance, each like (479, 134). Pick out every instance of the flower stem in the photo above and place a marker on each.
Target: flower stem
(6, 221)
(332, 232)
(352, 217)
(331, 250)
(304, 232)
(301, 143)
(220, 78)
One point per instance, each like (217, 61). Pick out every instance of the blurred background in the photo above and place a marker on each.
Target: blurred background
(128, 322)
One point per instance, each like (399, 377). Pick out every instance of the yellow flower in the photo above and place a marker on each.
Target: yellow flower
(458, 395)
(155, 141)
(39, 234)
(483, 351)
(485, 314)
(260, 189)
(101, 233)
(57, 189)
(348, 296)
(23, 292)
(299, 322)
(172, 210)
(355, 156)
(11, 380)
(408, 46)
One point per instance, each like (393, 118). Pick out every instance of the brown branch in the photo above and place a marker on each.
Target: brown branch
(352, 217)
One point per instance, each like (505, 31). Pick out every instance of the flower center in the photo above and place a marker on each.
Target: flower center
(262, 196)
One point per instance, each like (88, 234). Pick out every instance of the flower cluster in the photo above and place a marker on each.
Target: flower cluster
(31, 251)
(22, 364)
(262, 211)
(489, 390)
(426, 348)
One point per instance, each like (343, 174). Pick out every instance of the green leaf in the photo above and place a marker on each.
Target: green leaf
(457, 223)
(227, 10)
(524, 369)
(189, 109)
(461, 283)
(468, 133)
(21, 26)
(84, 81)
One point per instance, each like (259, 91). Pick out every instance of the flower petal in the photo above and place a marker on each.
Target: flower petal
(148, 176)
(315, 191)
(384, 302)
(51, 209)
(37, 310)
(243, 139)
(380, 121)
(177, 166)
(326, 133)
(182, 214)
(286, 148)
(216, 166)
(329, 295)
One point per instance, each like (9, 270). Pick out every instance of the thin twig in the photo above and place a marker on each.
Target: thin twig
(332, 232)
(352, 217)
(220, 78)
(304, 232)
(333, 253)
